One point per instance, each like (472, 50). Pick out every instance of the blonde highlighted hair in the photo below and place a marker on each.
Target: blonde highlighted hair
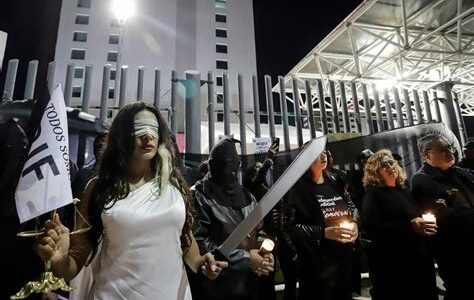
(372, 176)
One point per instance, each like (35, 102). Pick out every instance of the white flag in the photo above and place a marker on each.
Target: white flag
(44, 183)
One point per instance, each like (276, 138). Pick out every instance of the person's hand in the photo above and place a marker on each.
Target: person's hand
(210, 267)
(341, 234)
(261, 264)
(423, 227)
(354, 232)
(53, 245)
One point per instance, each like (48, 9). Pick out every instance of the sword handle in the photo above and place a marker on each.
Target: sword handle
(218, 255)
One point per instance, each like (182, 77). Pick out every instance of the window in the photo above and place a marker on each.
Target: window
(84, 3)
(82, 19)
(219, 81)
(221, 18)
(221, 64)
(78, 54)
(221, 33)
(112, 56)
(114, 39)
(78, 73)
(220, 98)
(111, 93)
(221, 48)
(112, 74)
(114, 22)
(80, 36)
(76, 91)
(220, 4)
(220, 117)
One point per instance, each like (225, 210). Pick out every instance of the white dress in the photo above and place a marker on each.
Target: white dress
(141, 256)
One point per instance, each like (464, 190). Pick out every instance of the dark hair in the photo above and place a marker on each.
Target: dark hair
(112, 183)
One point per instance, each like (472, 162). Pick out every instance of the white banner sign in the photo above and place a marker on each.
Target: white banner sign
(44, 183)
(262, 144)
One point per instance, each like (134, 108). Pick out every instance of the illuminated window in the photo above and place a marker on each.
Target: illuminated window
(220, 4)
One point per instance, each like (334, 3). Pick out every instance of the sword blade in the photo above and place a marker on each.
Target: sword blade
(295, 170)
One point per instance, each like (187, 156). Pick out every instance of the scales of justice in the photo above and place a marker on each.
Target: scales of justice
(47, 281)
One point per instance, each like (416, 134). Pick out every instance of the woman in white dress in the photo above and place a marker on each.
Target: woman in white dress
(139, 207)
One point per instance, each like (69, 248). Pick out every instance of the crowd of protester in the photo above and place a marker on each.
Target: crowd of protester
(146, 222)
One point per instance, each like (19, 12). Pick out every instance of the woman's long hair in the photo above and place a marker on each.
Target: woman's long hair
(112, 184)
(371, 170)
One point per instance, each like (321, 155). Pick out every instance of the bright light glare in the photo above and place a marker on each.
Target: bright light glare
(123, 9)
(385, 84)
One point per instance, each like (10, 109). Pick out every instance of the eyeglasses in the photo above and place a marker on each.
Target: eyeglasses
(387, 164)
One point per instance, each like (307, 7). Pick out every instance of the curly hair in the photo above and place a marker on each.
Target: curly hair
(112, 182)
(372, 176)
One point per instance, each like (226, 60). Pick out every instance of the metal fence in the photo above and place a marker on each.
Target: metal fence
(313, 107)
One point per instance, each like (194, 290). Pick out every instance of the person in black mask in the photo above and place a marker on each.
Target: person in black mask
(221, 204)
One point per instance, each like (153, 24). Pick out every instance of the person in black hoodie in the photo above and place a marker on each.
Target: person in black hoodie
(221, 204)
(318, 206)
(447, 191)
(398, 254)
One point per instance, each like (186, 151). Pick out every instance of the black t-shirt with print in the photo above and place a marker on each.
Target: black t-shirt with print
(333, 206)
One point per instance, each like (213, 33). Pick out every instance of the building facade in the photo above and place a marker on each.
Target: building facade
(202, 35)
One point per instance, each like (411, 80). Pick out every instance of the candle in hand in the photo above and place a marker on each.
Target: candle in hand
(346, 225)
(429, 217)
(267, 246)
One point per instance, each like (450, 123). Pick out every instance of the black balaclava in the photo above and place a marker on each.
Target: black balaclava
(224, 164)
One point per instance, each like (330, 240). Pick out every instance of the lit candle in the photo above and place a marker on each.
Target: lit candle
(267, 246)
(346, 225)
(429, 217)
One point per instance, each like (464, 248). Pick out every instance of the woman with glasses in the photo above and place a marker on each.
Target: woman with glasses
(321, 221)
(398, 255)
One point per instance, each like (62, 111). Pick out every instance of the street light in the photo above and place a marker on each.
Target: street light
(122, 9)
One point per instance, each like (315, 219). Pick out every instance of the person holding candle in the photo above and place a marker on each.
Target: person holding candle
(447, 191)
(320, 219)
(398, 254)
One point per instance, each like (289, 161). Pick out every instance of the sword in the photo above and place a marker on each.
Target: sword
(295, 170)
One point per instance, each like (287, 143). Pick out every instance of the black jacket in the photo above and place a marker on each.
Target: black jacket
(214, 222)
(397, 255)
(450, 196)
(324, 265)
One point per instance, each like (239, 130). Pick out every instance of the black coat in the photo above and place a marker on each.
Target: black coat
(215, 221)
(398, 257)
(450, 196)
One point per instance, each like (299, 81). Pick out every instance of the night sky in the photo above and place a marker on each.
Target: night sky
(286, 31)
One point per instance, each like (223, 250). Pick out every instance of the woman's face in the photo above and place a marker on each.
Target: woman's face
(388, 170)
(146, 135)
(320, 163)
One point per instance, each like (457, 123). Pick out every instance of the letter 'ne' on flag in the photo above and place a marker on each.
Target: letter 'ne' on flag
(44, 183)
